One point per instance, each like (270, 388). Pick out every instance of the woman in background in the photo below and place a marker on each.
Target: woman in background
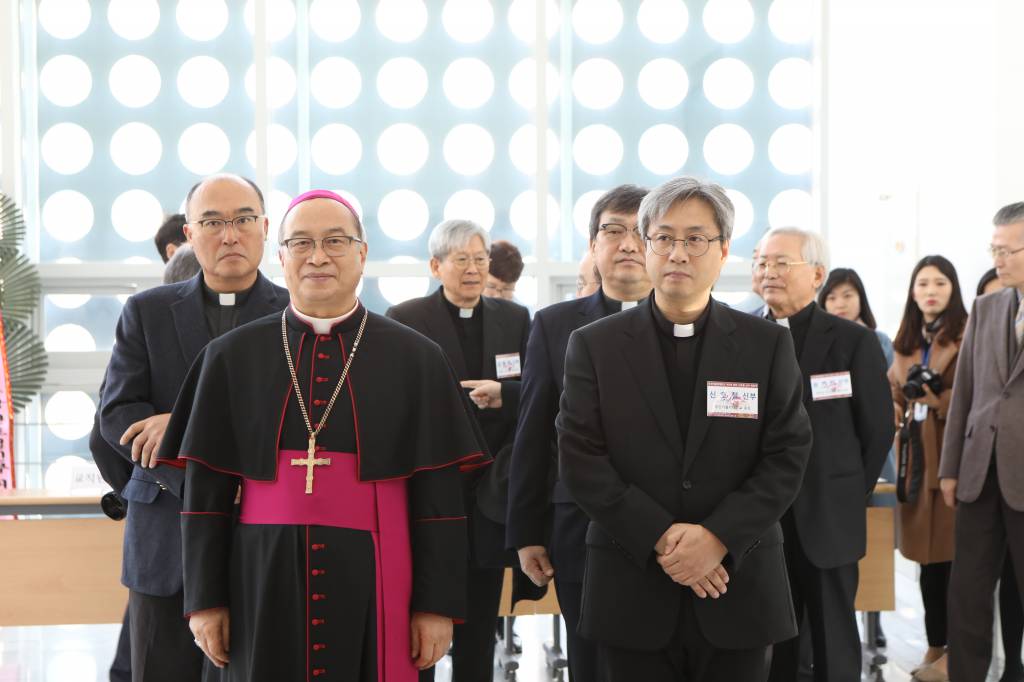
(929, 337)
(843, 295)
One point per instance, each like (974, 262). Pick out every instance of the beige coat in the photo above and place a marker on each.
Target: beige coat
(924, 528)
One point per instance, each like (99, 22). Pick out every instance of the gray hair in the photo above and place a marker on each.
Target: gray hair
(1009, 214)
(662, 198)
(182, 265)
(454, 234)
(813, 248)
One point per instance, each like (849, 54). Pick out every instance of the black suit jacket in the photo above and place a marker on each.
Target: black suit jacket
(506, 326)
(622, 458)
(852, 437)
(533, 484)
(159, 334)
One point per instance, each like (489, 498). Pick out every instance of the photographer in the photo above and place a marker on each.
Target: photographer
(921, 377)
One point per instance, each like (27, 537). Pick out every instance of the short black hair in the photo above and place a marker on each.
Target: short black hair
(849, 276)
(506, 262)
(255, 188)
(985, 280)
(171, 232)
(621, 199)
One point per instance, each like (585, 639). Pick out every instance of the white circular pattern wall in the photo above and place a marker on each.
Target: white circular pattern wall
(468, 83)
(67, 338)
(728, 83)
(66, 148)
(526, 290)
(202, 20)
(69, 414)
(663, 149)
(280, 19)
(728, 21)
(135, 148)
(522, 83)
(467, 21)
(791, 149)
(663, 83)
(402, 149)
(471, 204)
(136, 215)
(280, 82)
(65, 80)
(597, 21)
(336, 149)
(133, 19)
(744, 217)
(64, 19)
(203, 82)
(204, 149)
(277, 204)
(335, 20)
(522, 214)
(582, 208)
(403, 214)
(67, 215)
(791, 83)
(791, 208)
(522, 149)
(134, 81)
(597, 149)
(663, 21)
(468, 149)
(402, 21)
(68, 301)
(597, 83)
(792, 21)
(728, 149)
(335, 82)
(522, 19)
(282, 149)
(395, 290)
(402, 82)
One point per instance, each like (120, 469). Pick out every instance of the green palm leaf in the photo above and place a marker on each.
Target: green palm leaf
(19, 286)
(12, 224)
(26, 361)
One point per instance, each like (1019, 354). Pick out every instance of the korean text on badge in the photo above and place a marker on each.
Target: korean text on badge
(831, 386)
(732, 399)
(507, 365)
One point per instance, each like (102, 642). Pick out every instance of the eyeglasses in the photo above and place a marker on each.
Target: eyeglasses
(616, 232)
(338, 245)
(781, 267)
(242, 223)
(1002, 251)
(694, 245)
(462, 262)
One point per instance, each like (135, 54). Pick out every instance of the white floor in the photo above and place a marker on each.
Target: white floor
(80, 653)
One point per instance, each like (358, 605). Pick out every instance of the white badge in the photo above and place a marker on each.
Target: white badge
(507, 365)
(831, 386)
(731, 399)
(920, 412)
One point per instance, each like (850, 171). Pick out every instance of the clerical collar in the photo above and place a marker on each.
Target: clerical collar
(463, 313)
(793, 320)
(215, 298)
(612, 306)
(680, 331)
(323, 325)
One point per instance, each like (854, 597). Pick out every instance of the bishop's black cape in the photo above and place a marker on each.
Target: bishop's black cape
(302, 596)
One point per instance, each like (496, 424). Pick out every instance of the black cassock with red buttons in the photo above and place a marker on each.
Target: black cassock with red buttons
(303, 597)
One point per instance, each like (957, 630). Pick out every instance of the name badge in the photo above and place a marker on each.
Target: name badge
(731, 399)
(920, 412)
(831, 386)
(507, 365)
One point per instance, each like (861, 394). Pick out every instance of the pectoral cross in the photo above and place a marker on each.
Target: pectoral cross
(309, 462)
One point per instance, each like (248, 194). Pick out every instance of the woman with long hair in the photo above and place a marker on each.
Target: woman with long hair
(921, 376)
(843, 295)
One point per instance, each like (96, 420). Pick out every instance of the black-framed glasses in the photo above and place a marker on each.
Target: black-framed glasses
(335, 245)
(781, 267)
(616, 232)
(241, 223)
(1002, 251)
(694, 245)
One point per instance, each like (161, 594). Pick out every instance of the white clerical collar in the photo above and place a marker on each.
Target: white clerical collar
(466, 313)
(626, 305)
(682, 331)
(784, 321)
(226, 299)
(323, 325)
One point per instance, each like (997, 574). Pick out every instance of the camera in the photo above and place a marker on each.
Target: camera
(917, 378)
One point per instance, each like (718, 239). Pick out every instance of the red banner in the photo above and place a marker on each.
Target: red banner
(6, 419)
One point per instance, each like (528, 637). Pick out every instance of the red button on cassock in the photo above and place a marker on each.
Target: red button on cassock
(317, 621)
(317, 672)
(318, 647)
(325, 338)
(323, 356)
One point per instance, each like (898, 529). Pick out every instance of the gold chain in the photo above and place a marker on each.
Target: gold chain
(337, 389)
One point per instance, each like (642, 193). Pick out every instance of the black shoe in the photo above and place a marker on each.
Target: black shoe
(880, 640)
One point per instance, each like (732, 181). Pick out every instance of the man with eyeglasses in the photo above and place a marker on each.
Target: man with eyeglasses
(682, 436)
(545, 524)
(981, 472)
(345, 434)
(159, 334)
(485, 340)
(846, 395)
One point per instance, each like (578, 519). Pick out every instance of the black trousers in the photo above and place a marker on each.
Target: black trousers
(827, 594)
(580, 651)
(1011, 617)
(121, 668)
(985, 530)
(690, 657)
(934, 582)
(163, 649)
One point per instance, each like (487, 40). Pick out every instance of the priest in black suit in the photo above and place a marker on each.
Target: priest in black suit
(485, 340)
(846, 396)
(683, 437)
(545, 525)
